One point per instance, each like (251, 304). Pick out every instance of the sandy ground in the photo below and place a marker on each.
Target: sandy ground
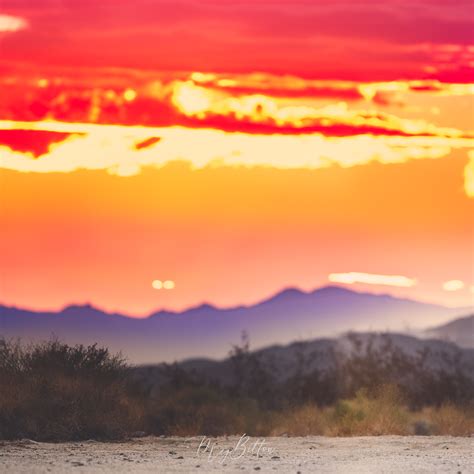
(391, 454)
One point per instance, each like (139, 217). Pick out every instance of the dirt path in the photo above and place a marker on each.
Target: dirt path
(385, 454)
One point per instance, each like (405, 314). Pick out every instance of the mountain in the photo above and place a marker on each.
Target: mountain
(207, 331)
(460, 331)
(285, 362)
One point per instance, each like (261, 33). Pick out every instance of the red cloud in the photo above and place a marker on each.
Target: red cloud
(31, 141)
(356, 40)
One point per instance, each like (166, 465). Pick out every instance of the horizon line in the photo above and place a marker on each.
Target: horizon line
(264, 300)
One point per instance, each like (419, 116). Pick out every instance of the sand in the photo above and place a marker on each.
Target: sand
(384, 454)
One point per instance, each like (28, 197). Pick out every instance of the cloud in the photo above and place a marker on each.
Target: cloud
(34, 142)
(469, 175)
(278, 86)
(453, 285)
(372, 279)
(181, 115)
(358, 40)
(10, 24)
(119, 149)
(264, 114)
(252, 103)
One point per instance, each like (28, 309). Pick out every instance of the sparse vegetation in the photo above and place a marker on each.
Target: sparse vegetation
(53, 392)
(384, 414)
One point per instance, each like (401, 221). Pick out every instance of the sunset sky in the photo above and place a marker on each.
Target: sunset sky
(164, 153)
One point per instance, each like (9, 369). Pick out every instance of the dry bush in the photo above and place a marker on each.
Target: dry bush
(53, 391)
(304, 420)
(383, 414)
(360, 416)
(370, 366)
(197, 410)
(56, 392)
(449, 420)
(253, 378)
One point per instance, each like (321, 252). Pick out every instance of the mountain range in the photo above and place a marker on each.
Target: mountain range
(299, 359)
(208, 331)
(460, 331)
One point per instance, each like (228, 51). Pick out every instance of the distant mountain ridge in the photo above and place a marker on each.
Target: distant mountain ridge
(460, 331)
(207, 331)
(319, 355)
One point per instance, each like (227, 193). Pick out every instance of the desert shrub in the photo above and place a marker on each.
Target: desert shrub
(196, 410)
(52, 391)
(382, 413)
(254, 379)
(187, 404)
(449, 420)
(257, 378)
(316, 387)
(369, 366)
(439, 386)
(303, 420)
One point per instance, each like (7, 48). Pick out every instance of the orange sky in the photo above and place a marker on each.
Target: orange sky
(290, 153)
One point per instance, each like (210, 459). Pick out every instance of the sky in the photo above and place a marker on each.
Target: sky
(158, 154)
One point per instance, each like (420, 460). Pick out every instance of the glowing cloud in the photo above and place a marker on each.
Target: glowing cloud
(120, 151)
(115, 149)
(249, 120)
(453, 285)
(191, 100)
(10, 24)
(372, 279)
(469, 175)
(257, 111)
(163, 285)
(169, 285)
(251, 103)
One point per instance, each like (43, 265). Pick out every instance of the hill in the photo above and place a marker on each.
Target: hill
(460, 331)
(207, 331)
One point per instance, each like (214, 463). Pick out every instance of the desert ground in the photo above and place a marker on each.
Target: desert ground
(387, 454)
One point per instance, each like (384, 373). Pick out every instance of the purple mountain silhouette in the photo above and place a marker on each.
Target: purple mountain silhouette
(207, 331)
